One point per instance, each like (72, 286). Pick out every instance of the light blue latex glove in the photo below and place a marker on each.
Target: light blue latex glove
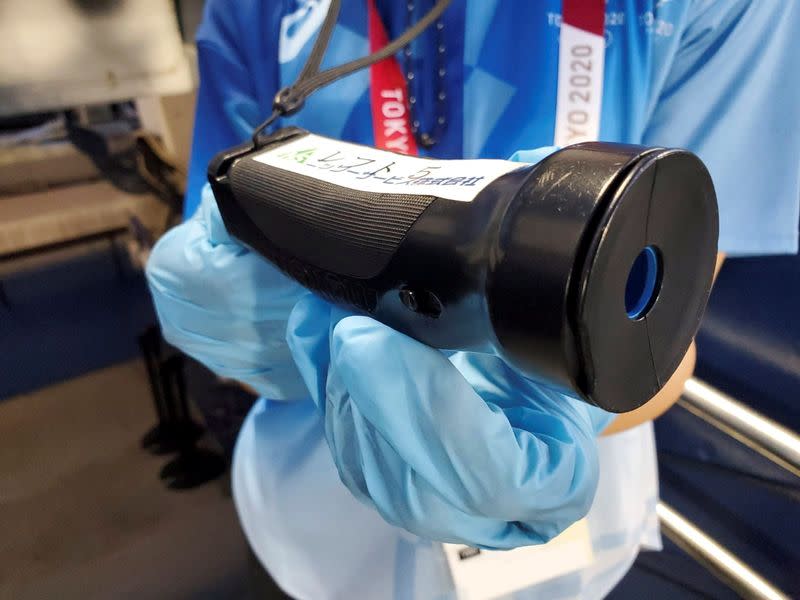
(458, 449)
(224, 305)
(461, 449)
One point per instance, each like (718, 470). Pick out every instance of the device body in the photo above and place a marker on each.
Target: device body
(532, 263)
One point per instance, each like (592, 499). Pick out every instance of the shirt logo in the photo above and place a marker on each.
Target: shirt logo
(298, 27)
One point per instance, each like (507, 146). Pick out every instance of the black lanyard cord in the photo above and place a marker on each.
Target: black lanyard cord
(314, 61)
(291, 99)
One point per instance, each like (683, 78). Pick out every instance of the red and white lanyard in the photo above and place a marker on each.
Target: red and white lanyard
(581, 59)
(391, 118)
(580, 80)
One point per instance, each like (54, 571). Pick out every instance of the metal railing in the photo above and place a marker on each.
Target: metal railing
(714, 557)
(765, 436)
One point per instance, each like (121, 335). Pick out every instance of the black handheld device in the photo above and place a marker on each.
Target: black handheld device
(589, 270)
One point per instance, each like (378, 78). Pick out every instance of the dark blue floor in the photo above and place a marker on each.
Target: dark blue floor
(69, 318)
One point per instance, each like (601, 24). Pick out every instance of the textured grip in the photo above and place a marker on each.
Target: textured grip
(337, 229)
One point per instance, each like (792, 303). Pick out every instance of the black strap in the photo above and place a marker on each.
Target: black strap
(314, 61)
(291, 99)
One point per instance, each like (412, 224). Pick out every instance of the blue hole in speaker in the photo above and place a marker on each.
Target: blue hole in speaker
(644, 281)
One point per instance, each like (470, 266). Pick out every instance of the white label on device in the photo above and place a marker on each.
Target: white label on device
(371, 170)
(487, 574)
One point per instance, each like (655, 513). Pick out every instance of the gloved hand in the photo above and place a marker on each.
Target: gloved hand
(224, 305)
(463, 449)
(459, 449)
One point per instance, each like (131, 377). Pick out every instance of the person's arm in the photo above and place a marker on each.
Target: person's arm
(732, 97)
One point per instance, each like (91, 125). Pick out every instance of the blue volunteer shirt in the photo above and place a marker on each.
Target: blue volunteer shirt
(719, 77)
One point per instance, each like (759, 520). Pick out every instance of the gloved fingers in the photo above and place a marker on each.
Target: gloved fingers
(190, 267)
(253, 352)
(500, 384)
(307, 336)
(377, 475)
(528, 465)
(224, 305)
(534, 155)
(205, 289)
(208, 215)
(256, 359)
